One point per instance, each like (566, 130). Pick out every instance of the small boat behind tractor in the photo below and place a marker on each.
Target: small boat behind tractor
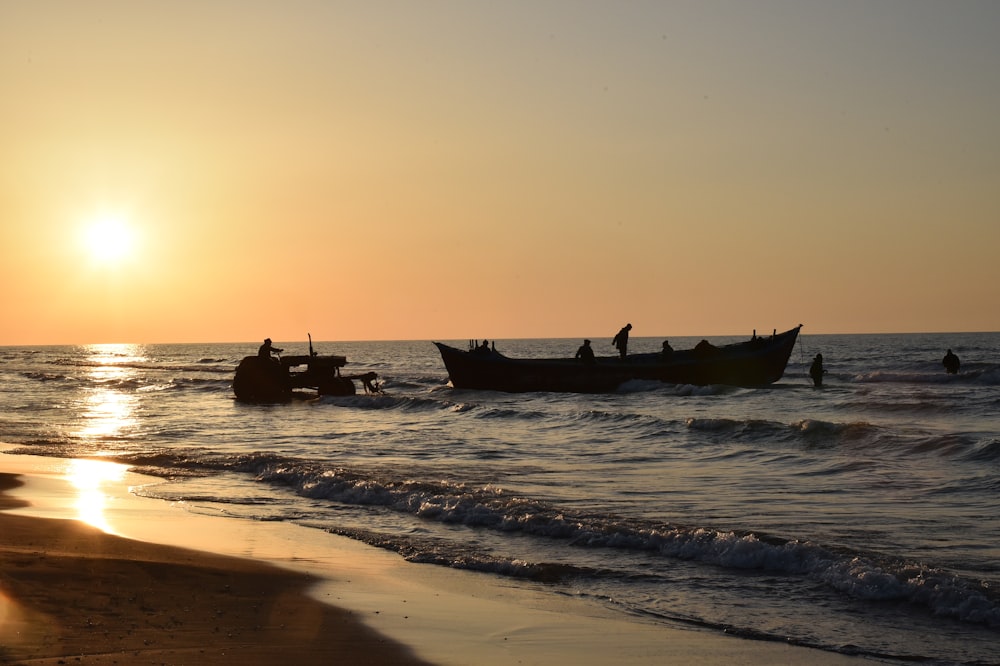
(263, 378)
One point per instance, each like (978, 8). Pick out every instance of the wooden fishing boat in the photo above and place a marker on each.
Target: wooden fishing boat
(265, 379)
(756, 362)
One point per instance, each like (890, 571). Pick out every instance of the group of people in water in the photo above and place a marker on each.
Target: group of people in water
(951, 364)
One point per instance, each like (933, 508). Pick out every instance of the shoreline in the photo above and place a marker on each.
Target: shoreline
(292, 594)
(70, 591)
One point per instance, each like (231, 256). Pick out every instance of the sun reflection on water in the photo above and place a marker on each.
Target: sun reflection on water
(111, 405)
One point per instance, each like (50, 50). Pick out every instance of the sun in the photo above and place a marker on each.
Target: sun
(108, 239)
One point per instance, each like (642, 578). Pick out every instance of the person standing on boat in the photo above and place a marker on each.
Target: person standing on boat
(620, 341)
(667, 353)
(951, 363)
(266, 349)
(816, 370)
(585, 353)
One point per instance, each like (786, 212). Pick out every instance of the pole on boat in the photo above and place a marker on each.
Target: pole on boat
(311, 352)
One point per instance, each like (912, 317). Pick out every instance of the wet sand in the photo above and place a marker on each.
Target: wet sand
(196, 589)
(75, 594)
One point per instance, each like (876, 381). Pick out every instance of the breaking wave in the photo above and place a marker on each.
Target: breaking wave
(858, 575)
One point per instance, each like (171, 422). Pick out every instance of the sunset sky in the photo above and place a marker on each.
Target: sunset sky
(451, 170)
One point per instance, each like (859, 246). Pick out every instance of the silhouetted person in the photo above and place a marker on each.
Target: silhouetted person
(816, 370)
(585, 353)
(484, 348)
(951, 363)
(620, 341)
(668, 351)
(266, 349)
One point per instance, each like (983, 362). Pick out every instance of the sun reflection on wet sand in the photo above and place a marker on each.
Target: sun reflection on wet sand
(89, 478)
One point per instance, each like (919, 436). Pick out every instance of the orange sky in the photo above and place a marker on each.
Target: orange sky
(453, 170)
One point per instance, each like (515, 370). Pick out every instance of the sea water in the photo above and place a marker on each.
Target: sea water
(862, 517)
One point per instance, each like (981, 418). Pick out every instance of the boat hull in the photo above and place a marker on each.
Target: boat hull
(757, 362)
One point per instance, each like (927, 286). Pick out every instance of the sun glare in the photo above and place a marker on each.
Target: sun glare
(89, 477)
(108, 239)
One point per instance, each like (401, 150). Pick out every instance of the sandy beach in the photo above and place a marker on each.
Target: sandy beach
(91, 574)
(74, 592)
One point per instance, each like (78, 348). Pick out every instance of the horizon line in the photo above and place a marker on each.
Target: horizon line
(498, 338)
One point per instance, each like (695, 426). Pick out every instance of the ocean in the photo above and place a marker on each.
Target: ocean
(862, 517)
